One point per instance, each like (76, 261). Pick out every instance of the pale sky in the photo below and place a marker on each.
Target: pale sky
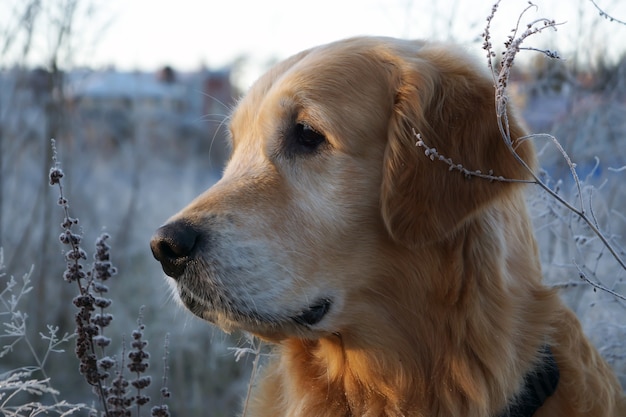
(147, 34)
(186, 34)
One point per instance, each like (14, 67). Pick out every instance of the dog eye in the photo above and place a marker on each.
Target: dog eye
(307, 139)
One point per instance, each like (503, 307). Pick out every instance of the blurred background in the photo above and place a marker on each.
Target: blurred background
(136, 94)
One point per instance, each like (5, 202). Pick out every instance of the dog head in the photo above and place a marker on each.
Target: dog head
(325, 182)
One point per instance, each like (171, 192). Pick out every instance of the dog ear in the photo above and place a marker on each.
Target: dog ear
(449, 102)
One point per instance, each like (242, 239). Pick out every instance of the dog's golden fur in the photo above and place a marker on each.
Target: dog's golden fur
(435, 302)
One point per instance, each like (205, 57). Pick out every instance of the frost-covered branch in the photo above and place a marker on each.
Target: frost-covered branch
(501, 79)
(606, 15)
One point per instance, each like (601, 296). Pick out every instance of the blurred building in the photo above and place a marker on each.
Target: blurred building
(161, 108)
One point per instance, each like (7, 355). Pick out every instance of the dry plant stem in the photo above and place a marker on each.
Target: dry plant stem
(433, 154)
(596, 285)
(255, 366)
(116, 399)
(579, 212)
(606, 15)
(162, 409)
(501, 78)
(42, 362)
(55, 179)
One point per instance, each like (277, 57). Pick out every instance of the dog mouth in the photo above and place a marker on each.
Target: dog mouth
(314, 314)
(308, 317)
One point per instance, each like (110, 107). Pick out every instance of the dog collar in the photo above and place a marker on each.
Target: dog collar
(539, 384)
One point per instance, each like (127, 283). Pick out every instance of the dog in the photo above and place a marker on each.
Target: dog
(390, 284)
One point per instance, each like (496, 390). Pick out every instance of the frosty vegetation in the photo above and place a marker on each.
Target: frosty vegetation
(126, 169)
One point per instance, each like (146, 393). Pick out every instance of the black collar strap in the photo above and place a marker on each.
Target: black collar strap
(539, 384)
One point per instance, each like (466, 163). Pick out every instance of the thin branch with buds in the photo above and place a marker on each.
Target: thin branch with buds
(606, 15)
(501, 79)
(597, 286)
(433, 154)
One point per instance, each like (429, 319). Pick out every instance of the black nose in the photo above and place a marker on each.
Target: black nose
(173, 245)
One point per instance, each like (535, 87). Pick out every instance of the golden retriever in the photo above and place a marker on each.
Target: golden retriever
(390, 284)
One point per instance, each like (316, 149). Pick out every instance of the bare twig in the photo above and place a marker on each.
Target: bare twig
(256, 348)
(433, 154)
(597, 285)
(606, 15)
(501, 78)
